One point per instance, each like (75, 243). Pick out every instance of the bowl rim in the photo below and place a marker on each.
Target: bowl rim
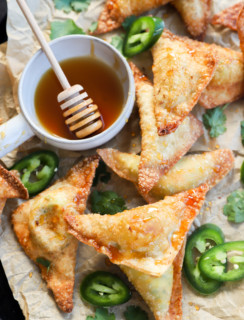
(125, 114)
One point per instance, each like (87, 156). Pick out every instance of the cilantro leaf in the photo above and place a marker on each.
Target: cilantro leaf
(101, 174)
(128, 22)
(118, 41)
(234, 209)
(68, 5)
(44, 262)
(214, 120)
(242, 132)
(64, 28)
(93, 26)
(102, 314)
(107, 202)
(80, 5)
(135, 313)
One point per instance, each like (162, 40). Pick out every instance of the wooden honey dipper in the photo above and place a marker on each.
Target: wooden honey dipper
(83, 117)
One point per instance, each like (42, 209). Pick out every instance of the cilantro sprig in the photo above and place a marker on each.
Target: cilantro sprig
(64, 28)
(128, 22)
(234, 208)
(107, 202)
(101, 174)
(68, 5)
(118, 41)
(101, 314)
(135, 313)
(214, 120)
(93, 26)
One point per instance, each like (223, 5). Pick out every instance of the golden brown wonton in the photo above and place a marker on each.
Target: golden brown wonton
(162, 294)
(228, 17)
(10, 187)
(195, 14)
(42, 231)
(240, 28)
(181, 73)
(146, 238)
(188, 173)
(159, 153)
(227, 84)
(115, 11)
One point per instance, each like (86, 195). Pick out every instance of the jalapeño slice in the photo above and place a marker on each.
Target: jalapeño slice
(104, 289)
(213, 262)
(37, 170)
(199, 242)
(142, 35)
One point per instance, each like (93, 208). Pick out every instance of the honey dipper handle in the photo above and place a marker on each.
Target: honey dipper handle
(45, 47)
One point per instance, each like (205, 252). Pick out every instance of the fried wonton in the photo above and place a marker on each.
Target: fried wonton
(163, 294)
(159, 153)
(228, 17)
(43, 233)
(181, 72)
(189, 172)
(146, 238)
(195, 14)
(11, 187)
(115, 11)
(240, 28)
(227, 84)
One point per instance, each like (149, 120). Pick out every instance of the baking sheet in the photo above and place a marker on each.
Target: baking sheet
(23, 276)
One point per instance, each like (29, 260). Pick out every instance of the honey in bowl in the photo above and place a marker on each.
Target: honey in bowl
(100, 82)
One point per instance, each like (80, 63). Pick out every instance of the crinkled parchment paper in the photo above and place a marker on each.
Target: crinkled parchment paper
(23, 276)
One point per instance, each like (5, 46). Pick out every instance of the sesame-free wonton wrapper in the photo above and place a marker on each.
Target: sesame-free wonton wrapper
(42, 231)
(181, 73)
(228, 17)
(188, 173)
(145, 238)
(159, 153)
(195, 14)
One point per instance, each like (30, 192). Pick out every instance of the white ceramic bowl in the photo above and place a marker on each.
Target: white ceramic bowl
(64, 48)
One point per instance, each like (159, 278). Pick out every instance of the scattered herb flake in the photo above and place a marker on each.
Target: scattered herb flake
(214, 120)
(242, 132)
(68, 5)
(128, 22)
(64, 28)
(135, 313)
(118, 41)
(101, 174)
(107, 202)
(101, 314)
(93, 26)
(234, 209)
(44, 262)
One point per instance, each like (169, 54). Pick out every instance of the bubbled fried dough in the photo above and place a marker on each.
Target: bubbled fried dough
(43, 233)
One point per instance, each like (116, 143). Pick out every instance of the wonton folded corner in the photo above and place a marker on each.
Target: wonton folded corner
(43, 233)
(146, 238)
(11, 187)
(177, 87)
(159, 153)
(188, 173)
